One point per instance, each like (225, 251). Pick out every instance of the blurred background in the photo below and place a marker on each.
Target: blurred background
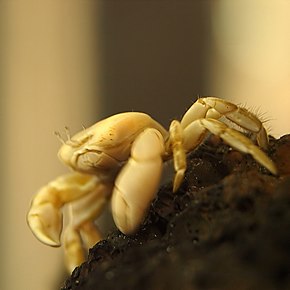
(75, 62)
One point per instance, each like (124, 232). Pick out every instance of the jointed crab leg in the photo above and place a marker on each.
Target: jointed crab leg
(73, 248)
(211, 107)
(81, 233)
(175, 147)
(201, 117)
(195, 132)
(77, 242)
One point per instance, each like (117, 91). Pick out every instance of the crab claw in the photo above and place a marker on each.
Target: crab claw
(45, 217)
(143, 170)
(45, 221)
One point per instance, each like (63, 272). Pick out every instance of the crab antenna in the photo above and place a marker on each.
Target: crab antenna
(67, 133)
(59, 137)
(84, 127)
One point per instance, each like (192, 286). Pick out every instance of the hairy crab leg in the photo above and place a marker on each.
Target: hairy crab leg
(194, 134)
(211, 107)
(138, 181)
(45, 217)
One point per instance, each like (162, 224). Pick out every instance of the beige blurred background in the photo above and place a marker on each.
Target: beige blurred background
(74, 62)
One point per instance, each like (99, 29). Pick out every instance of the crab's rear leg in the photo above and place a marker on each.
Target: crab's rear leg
(195, 132)
(215, 108)
(138, 181)
(45, 217)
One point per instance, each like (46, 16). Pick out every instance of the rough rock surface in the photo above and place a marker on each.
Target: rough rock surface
(228, 227)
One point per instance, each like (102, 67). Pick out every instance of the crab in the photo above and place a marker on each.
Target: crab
(120, 159)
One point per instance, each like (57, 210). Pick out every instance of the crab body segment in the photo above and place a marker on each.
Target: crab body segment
(121, 159)
(106, 145)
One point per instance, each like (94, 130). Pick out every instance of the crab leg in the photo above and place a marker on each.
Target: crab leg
(45, 216)
(211, 107)
(138, 181)
(73, 248)
(77, 242)
(81, 233)
(194, 133)
(175, 144)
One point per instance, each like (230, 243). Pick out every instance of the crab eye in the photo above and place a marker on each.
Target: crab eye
(89, 160)
(79, 142)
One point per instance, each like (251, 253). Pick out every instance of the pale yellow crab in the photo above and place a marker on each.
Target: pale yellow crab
(121, 158)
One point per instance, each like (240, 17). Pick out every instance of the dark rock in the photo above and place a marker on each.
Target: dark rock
(228, 227)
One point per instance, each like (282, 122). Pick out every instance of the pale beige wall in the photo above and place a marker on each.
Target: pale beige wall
(48, 80)
(249, 59)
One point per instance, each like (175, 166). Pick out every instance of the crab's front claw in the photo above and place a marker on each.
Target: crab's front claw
(138, 181)
(45, 221)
